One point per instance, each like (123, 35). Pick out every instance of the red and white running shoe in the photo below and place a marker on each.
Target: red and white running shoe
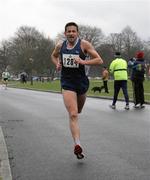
(78, 152)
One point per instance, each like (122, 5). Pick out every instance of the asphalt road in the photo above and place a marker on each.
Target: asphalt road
(35, 124)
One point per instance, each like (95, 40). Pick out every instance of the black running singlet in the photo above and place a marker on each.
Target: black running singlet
(69, 67)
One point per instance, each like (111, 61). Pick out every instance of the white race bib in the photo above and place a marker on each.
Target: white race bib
(69, 60)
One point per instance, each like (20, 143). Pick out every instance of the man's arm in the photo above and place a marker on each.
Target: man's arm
(94, 56)
(55, 56)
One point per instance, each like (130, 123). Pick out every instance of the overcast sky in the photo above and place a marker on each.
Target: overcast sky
(50, 16)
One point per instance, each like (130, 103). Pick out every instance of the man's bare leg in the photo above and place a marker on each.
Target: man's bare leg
(81, 101)
(70, 101)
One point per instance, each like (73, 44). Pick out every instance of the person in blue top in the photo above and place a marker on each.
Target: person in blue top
(70, 57)
(130, 65)
(137, 78)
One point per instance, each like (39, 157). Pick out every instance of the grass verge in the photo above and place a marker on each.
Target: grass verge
(55, 86)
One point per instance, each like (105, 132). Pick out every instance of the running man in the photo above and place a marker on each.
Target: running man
(5, 77)
(69, 57)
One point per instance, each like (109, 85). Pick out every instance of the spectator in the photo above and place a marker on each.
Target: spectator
(23, 77)
(137, 78)
(130, 64)
(105, 76)
(118, 68)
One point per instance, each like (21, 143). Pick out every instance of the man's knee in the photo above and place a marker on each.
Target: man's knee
(73, 115)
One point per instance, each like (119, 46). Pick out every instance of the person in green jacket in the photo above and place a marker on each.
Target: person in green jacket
(118, 68)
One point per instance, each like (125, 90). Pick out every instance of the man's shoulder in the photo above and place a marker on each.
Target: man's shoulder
(58, 46)
(113, 61)
(84, 42)
(85, 45)
(118, 61)
(121, 60)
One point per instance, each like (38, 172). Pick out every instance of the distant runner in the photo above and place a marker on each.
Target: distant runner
(5, 77)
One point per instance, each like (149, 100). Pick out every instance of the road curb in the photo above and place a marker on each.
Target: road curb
(5, 171)
(89, 96)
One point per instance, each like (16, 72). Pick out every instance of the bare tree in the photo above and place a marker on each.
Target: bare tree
(146, 49)
(126, 42)
(116, 41)
(28, 44)
(30, 50)
(4, 55)
(131, 43)
(92, 34)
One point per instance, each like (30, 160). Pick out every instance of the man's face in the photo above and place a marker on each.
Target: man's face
(71, 33)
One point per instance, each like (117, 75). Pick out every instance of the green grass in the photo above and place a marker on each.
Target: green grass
(55, 86)
(111, 91)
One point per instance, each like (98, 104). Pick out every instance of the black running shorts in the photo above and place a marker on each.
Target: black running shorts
(78, 85)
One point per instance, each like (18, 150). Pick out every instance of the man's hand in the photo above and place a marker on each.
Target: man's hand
(58, 66)
(78, 60)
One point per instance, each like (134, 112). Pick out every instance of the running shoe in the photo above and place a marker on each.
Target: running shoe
(78, 152)
(112, 106)
(127, 107)
(142, 106)
(136, 106)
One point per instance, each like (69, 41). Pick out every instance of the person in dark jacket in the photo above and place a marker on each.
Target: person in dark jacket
(137, 78)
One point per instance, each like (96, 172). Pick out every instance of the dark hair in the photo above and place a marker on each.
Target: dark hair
(71, 24)
(117, 54)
